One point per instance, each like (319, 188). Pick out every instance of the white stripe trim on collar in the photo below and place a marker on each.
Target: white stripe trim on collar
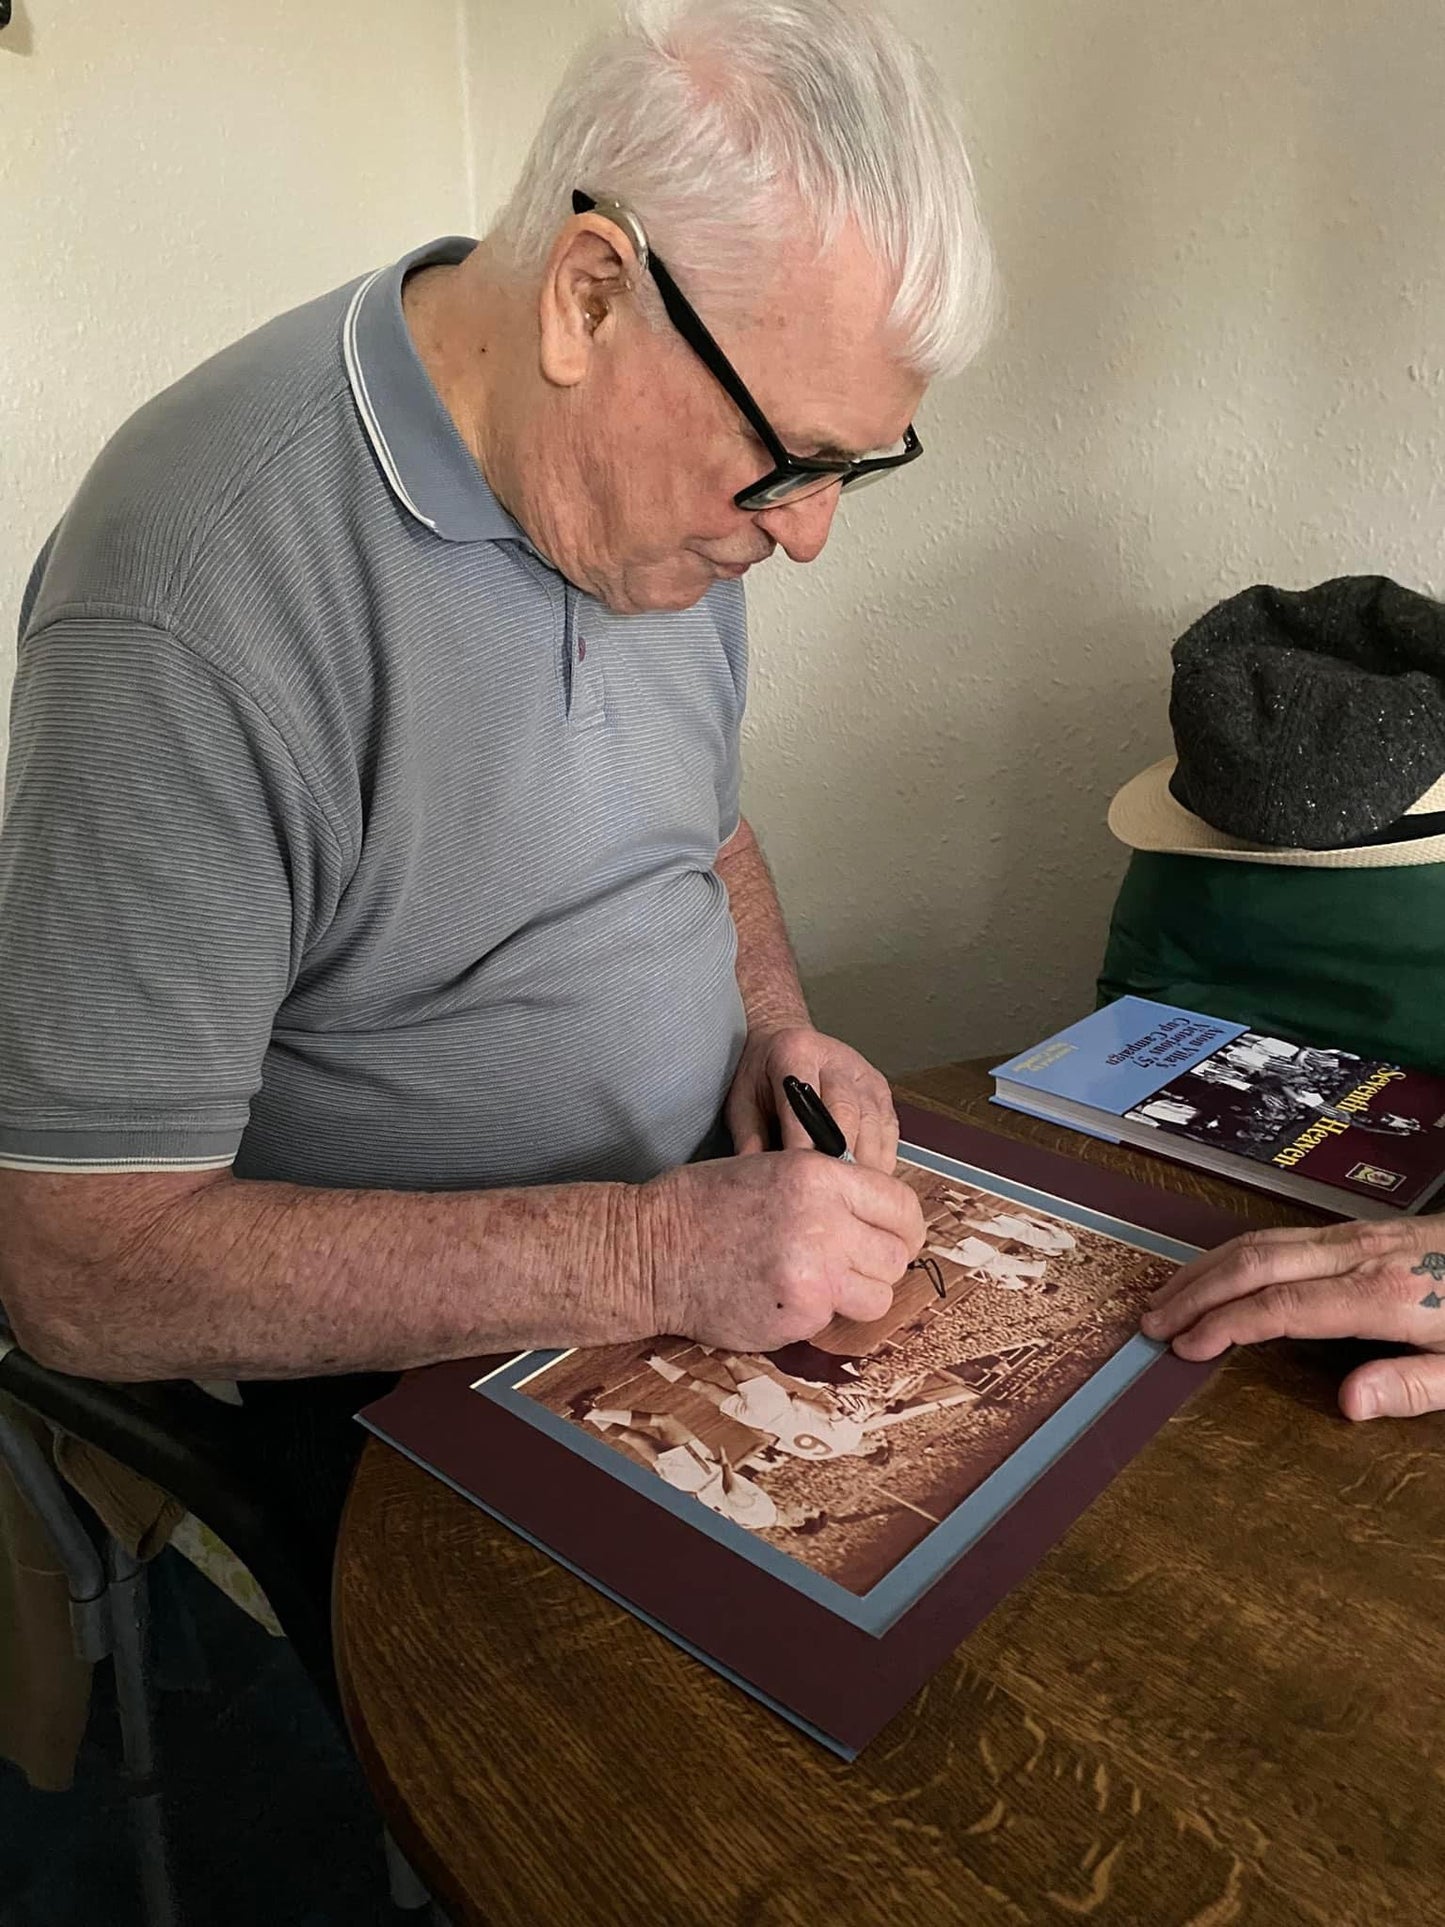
(364, 406)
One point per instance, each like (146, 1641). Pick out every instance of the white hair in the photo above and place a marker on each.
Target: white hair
(722, 122)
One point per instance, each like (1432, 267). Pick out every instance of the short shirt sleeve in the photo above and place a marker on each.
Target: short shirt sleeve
(161, 861)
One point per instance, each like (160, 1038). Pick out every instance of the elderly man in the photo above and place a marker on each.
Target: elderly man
(383, 959)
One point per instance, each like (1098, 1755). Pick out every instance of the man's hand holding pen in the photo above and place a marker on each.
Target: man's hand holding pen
(855, 1094)
(751, 1253)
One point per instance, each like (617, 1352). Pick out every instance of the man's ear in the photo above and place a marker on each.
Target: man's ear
(589, 271)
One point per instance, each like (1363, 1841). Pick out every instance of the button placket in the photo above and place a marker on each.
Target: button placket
(584, 664)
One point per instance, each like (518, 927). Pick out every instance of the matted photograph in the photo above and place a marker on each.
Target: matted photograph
(847, 1451)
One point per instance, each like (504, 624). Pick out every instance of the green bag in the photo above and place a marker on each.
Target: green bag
(1350, 957)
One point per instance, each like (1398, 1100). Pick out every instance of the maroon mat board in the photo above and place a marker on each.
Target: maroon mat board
(792, 1649)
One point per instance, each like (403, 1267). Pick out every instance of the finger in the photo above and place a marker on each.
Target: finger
(841, 1098)
(877, 1254)
(1207, 1261)
(862, 1298)
(878, 1199)
(891, 1134)
(1395, 1387)
(746, 1122)
(877, 1140)
(1353, 1307)
(1243, 1266)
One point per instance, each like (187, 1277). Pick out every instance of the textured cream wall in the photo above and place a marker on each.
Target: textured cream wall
(1223, 236)
(171, 175)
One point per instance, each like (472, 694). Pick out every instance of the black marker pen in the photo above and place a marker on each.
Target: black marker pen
(816, 1119)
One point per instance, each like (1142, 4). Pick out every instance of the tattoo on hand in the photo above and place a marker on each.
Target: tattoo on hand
(1432, 1263)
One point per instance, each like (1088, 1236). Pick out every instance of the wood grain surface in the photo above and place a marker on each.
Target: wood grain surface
(1220, 1699)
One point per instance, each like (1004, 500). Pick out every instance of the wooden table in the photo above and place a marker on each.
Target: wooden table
(1220, 1699)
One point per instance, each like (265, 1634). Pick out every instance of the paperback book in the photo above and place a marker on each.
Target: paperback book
(823, 1525)
(1307, 1121)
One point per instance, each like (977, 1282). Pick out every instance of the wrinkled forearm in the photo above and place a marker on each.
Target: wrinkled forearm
(767, 970)
(144, 1276)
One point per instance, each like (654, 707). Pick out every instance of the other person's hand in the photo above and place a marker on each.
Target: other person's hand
(748, 1254)
(857, 1095)
(1382, 1281)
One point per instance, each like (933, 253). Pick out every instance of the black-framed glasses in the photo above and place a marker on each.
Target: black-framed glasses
(792, 476)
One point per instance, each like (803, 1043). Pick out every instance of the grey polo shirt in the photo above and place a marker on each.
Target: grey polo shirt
(345, 840)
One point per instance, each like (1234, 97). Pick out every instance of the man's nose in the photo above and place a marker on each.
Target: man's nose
(801, 527)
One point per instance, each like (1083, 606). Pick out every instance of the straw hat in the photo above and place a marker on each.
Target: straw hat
(1309, 728)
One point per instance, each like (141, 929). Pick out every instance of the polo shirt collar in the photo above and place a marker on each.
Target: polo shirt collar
(429, 468)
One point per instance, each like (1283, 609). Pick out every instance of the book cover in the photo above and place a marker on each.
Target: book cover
(1360, 1125)
(823, 1525)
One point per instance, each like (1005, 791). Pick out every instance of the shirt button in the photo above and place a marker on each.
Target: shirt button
(581, 648)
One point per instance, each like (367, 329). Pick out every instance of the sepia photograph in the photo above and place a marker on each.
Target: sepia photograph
(1259, 1092)
(846, 1451)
